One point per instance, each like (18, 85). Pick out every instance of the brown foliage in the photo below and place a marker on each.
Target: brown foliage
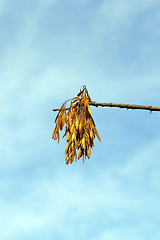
(80, 129)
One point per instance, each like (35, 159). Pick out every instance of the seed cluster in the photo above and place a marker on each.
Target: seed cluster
(80, 129)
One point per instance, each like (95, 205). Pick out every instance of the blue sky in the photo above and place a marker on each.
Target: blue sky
(49, 49)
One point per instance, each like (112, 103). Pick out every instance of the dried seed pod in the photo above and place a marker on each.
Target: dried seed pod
(89, 110)
(83, 158)
(89, 152)
(97, 134)
(68, 136)
(83, 143)
(80, 154)
(79, 125)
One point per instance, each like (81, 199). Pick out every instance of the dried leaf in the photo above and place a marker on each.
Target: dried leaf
(77, 123)
(89, 152)
(91, 134)
(58, 137)
(73, 136)
(70, 120)
(88, 95)
(96, 132)
(80, 126)
(85, 102)
(68, 136)
(89, 110)
(83, 143)
(80, 92)
(83, 158)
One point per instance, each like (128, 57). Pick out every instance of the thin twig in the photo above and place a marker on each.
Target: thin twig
(57, 109)
(128, 106)
(121, 105)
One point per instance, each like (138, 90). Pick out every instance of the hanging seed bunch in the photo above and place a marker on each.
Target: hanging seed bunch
(80, 129)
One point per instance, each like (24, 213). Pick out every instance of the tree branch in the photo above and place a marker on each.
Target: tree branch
(128, 106)
(121, 105)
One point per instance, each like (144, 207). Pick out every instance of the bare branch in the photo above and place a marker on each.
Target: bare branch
(57, 109)
(128, 106)
(121, 105)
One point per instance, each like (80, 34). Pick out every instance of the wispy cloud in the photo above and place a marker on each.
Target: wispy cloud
(69, 199)
(49, 50)
(125, 12)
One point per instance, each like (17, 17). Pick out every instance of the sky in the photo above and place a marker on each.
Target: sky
(49, 50)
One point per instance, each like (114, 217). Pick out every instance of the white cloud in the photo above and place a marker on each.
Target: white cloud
(3, 4)
(49, 3)
(65, 202)
(124, 11)
(71, 197)
(16, 221)
(138, 230)
(144, 160)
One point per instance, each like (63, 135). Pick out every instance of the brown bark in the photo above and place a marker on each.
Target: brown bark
(121, 105)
